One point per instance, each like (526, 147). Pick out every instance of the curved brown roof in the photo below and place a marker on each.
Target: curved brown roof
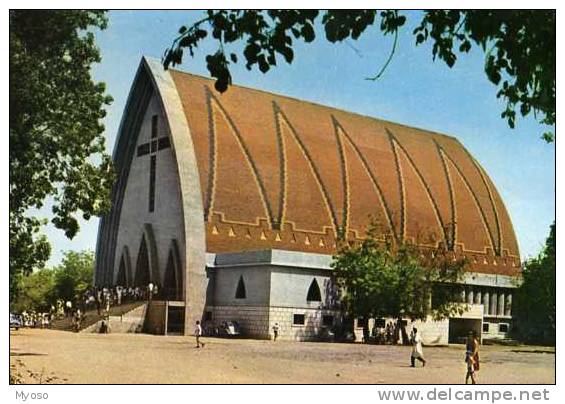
(277, 172)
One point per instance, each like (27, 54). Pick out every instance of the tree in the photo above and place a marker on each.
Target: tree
(36, 292)
(69, 280)
(535, 298)
(382, 278)
(519, 45)
(56, 145)
(74, 276)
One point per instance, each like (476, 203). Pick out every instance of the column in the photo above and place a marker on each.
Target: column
(493, 303)
(486, 302)
(500, 309)
(470, 295)
(508, 305)
(462, 294)
(478, 297)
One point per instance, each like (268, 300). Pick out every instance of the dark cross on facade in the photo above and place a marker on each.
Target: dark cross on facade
(151, 148)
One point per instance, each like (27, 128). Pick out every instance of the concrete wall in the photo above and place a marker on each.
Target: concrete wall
(257, 285)
(166, 219)
(289, 287)
(130, 322)
(431, 331)
(312, 329)
(253, 320)
(277, 284)
(496, 328)
(155, 318)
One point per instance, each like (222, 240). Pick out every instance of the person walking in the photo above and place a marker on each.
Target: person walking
(276, 329)
(69, 308)
(417, 351)
(472, 358)
(150, 290)
(119, 291)
(198, 334)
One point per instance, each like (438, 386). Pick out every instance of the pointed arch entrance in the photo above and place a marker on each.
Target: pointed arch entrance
(142, 270)
(124, 275)
(122, 279)
(147, 265)
(172, 285)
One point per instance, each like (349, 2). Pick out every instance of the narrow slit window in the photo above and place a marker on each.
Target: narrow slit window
(152, 183)
(154, 126)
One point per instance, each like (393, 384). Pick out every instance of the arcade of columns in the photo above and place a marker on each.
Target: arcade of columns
(496, 302)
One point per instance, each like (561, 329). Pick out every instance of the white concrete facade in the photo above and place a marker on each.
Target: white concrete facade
(135, 212)
(277, 284)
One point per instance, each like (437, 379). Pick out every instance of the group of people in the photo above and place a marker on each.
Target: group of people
(34, 319)
(105, 297)
(101, 299)
(393, 333)
(471, 354)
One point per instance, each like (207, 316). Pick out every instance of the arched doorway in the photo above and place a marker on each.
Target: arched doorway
(142, 270)
(122, 279)
(170, 287)
(173, 279)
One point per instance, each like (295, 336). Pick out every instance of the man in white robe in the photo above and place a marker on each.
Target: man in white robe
(417, 352)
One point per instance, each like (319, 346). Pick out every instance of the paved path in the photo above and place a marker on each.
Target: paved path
(62, 357)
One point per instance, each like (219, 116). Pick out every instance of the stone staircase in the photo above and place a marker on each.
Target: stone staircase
(91, 317)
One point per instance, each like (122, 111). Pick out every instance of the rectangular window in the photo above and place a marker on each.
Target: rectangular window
(143, 149)
(152, 183)
(503, 327)
(485, 327)
(207, 316)
(380, 323)
(327, 320)
(154, 126)
(164, 143)
(298, 319)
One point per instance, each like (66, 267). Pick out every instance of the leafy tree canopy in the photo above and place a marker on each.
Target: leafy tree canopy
(74, 276)
(56, 143)
(519, 45)
(379, 278)
(67, 281)
(536, 299)
(36, 291)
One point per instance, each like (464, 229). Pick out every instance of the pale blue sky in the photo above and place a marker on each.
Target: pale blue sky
(414, 91)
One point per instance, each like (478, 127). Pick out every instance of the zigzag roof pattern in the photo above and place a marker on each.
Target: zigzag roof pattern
(277, 172)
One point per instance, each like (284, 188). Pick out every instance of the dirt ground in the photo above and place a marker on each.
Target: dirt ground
(45, 356)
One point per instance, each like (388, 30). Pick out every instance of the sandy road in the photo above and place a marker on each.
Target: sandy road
(62, 357)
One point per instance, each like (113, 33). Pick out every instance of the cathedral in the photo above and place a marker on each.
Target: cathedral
(232, 204)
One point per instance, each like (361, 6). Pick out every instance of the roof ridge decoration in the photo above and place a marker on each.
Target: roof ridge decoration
(279, 114)
(371, 175)
(396, 143)
(496, 248)
(341, 227)
(211, 100)
(306, 168)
